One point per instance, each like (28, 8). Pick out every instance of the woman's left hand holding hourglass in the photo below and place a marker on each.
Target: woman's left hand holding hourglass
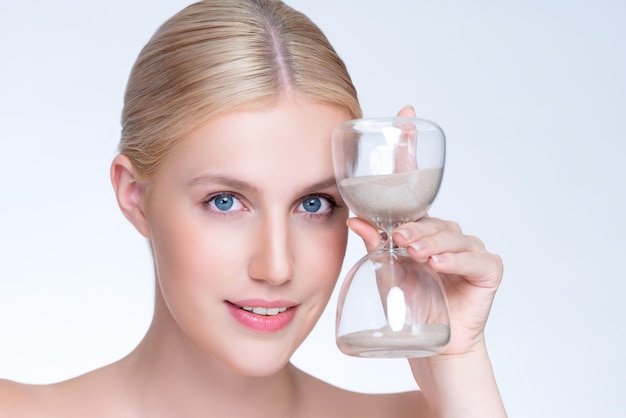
(470, 275)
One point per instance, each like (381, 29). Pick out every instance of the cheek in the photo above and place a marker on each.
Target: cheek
(324, 249)
(337, 244)
(190, 253)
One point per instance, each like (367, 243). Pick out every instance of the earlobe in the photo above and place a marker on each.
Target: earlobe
(129, 193)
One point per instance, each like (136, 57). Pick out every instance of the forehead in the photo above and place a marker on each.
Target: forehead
(290, 138)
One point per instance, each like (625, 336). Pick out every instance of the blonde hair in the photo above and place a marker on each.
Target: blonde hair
(219, 56)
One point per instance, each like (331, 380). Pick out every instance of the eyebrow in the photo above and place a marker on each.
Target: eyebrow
(222, 179)
(245, 186)
(321, 185)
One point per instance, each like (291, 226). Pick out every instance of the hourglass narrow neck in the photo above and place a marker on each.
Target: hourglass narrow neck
(388, 244)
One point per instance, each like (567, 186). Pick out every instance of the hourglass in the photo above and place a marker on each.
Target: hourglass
(388, 172)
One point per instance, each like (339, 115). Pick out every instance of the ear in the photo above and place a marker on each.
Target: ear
(130, 193)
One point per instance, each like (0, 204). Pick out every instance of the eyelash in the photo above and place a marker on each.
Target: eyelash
(333, 204)
(209, 203)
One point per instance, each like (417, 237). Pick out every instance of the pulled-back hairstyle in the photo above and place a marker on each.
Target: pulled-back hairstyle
(219, 56)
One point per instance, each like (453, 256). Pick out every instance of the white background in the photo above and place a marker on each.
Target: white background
(532, 96)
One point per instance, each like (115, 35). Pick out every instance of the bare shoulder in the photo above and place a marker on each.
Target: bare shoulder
(16, 399)
(323, 399)
(393, 405)
(20, 400)
(70, 398)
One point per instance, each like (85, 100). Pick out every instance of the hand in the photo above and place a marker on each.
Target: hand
(469, 273)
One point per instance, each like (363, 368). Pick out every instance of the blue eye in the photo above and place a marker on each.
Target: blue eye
(312, 204)
(317, 205)
(224, 202)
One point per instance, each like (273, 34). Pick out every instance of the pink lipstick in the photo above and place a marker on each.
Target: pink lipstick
(262, 316)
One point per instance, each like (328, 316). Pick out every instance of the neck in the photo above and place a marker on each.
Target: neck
(172, 374)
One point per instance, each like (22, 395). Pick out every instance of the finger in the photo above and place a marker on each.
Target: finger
(404, 153)
(481, 269)
(414, 231)
(444, 242)
(407, 111)
(369, 234)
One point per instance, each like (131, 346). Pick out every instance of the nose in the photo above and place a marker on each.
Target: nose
(272, 260)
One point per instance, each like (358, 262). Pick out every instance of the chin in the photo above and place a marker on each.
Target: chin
(256, 357)
(260, 365)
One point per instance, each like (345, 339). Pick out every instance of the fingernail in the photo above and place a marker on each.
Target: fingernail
(404, 233)
(440, 258)
(417, 246)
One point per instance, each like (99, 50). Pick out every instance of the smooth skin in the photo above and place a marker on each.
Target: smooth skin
(246, 208)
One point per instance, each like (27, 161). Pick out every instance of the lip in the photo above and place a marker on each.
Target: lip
(261, 323)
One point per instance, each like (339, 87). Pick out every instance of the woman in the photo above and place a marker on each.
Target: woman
(225, 168)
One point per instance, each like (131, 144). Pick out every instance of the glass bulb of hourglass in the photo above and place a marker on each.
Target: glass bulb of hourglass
(388, 172)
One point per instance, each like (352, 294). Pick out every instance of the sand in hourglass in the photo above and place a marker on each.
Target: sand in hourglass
(399, 197)
(391, 198)
(425, 341)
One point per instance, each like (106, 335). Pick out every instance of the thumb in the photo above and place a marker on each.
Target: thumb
(366, 231)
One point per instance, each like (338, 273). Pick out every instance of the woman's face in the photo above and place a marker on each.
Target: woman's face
(248, 232)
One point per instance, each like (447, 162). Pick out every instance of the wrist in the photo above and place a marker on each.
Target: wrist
(459, 384)
(477, 348)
